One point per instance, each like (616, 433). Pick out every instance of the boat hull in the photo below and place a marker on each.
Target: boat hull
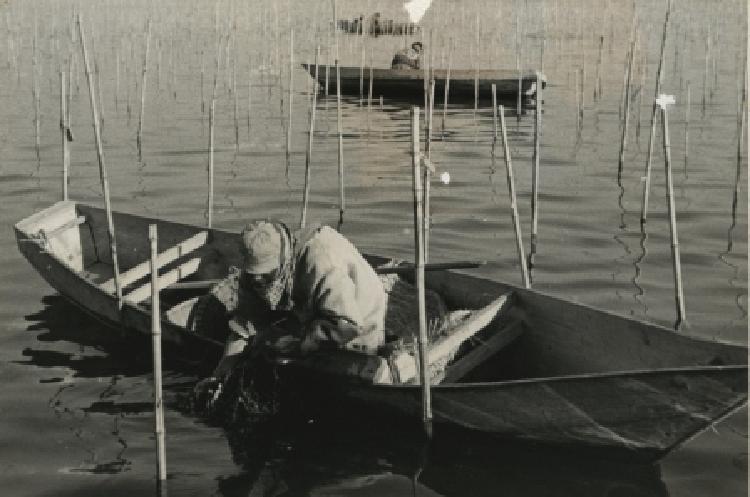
(587, 378)
(640, 415)
(395, 83)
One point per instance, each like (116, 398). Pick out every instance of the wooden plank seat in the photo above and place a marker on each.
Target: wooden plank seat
(182, 271)
(170, 255)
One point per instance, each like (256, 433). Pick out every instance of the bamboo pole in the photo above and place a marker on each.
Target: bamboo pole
(535, 170)
(117, 79)
(159, 432)
(446, 89)
(657, 92)
(102, 166)
(236, 104)
(64, 133)
(428, 173)
(308, 155)
(249, 96)
(598, 84)
(419, 273)
(339, 130)
(362, 75)
(494, 118)
(211, 122)
(626, 107)
(675, 244)
(139, 137)
(687, 127)
(513, 204)
(35, 91)
(578, 104)
(203, 100)
(291, 89)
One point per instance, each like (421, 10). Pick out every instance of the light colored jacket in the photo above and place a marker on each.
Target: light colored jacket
(337, 295)
(408, 58)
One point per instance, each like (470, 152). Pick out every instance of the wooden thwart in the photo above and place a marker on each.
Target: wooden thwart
(182, 271)
(444, 347)
(172, 254)
(408, 268)
(479, 320)
(484, 351)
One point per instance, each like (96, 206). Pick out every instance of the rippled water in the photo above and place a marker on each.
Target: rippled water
(76, 418)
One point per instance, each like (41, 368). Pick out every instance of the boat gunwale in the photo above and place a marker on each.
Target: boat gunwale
(517, 290)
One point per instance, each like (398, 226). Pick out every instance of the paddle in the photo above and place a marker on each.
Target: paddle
(406, 268)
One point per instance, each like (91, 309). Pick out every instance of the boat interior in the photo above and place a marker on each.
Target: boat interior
(527, 334)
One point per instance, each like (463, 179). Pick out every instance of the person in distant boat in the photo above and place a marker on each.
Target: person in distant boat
(297, 292)
(408, 58)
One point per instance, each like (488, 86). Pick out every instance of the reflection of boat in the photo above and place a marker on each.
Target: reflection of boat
(334, 458)
(410, 82)
(561, 373)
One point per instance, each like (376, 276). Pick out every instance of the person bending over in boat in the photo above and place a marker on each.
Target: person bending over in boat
(298, 292)
(408, 58)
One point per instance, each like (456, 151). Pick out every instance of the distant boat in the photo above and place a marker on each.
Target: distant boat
(543, 370)
(394, 83)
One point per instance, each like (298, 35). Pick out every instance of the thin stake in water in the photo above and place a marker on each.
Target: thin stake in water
(102, 166)
(513, 204)
(308, 155)
(657, 92)
(139, 136)
(663, 101)
(419, 273)
(159, 431)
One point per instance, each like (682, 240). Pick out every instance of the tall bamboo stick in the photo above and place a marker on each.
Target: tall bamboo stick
(675, 244)
(419, 272)
(249, 96)
(428, 173)
(535, 170)
(626, 107)
(598, 84)
(494, 118)
(159, 432)
(236, 104)
(291, 89)
(339, 130)
(117, 79)
(64, 133)
(211, 122)
(102, 166)
(362, 75)
(513, 204)
(446, 89)
(139, 137)
(657, 92)
(308, 155)
(687, 127)
(35, 91)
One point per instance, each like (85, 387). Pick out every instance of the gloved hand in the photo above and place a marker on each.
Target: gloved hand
(206, 392)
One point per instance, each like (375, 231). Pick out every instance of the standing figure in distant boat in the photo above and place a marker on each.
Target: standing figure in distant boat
(296, 292)
(408, 58)
(375, 24)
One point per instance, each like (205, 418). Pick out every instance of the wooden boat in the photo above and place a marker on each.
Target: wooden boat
(396, 83)
(549, 371)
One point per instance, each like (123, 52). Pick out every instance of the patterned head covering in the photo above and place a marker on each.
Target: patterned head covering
(262, 247)
(267, 248)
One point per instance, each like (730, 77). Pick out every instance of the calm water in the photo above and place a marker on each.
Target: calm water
(76, 419)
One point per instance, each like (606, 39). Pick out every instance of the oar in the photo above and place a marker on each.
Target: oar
(405, 269)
